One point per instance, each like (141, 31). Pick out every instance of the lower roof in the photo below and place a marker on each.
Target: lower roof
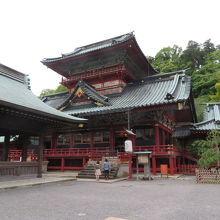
(211, 116)
(161, 89)
(15, 94)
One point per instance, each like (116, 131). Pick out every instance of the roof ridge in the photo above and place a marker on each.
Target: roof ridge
(99, 42)
(78, 49)
(94, 90)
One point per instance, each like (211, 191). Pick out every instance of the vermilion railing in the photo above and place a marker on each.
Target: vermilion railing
(16, 155)
(95, 153)
(158, 149)
(76, 152)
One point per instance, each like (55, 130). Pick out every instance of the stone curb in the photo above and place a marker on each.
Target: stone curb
(35, 184)
(102, 181)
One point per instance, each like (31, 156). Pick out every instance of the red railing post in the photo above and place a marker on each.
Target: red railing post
(171, 166)
(154, 166)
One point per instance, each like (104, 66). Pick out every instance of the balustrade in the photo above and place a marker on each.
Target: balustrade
(94, 153)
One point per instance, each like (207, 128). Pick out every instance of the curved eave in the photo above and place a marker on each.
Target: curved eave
(52, 62)
(72, 55)
(64, 119)
(206, 126)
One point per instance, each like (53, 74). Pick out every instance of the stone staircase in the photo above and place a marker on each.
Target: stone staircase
(89, 170)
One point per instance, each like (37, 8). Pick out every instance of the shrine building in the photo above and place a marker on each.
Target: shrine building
(112, 84)
(24, 118)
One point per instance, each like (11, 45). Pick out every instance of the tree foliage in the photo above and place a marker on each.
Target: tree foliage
(59, 89)
(209, 157)
(167, 59)
(204, 63)
(201, 148)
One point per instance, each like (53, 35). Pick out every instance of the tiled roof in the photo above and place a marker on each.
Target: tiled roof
(14, 93)
(92, 47)
(211, 118)
(151, 91)
(89, 91)
(181, 132)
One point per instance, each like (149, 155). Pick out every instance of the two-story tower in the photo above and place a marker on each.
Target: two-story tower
(112, 84)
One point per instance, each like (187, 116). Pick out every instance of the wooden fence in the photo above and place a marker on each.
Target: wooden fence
(208, 176)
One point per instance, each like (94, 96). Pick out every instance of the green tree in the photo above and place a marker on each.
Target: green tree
(216, 97)
(200, 146)
(167, 59)
(192, 56)
(209, 158)
(59, 89)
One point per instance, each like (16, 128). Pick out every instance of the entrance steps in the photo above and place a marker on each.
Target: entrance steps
(89, 171)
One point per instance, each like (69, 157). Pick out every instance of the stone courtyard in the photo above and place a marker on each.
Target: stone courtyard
(179, 198)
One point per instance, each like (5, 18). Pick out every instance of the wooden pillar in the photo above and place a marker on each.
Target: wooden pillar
(156, 136)
(92, 140)
(62, 164)
(40, 156)
(53, 140)
(112, 140)
(154, 165)
(175, 165)
(171, 166)
(71, 140)
(130, 167)
(24, 148)
(6, 148)
(164, 137)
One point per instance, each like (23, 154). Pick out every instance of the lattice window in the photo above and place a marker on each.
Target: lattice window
(102, 136)
(34, 140)
(63, 139)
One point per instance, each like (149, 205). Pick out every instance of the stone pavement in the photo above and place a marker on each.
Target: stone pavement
(11, 182)
(162, 198)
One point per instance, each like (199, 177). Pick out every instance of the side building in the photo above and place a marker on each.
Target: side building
(24, 117)
(112, 84)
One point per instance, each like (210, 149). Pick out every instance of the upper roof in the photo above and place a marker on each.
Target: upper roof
(211, 116)
(123, 49)
(160, 89)
(92, 47)
(14, 93)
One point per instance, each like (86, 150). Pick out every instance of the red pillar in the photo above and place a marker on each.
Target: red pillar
(164, 137)
(175, 165)
(154, 165)
(171, 166)
(156, 136)
(178, 163)
(62, 164)
(130, 167)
